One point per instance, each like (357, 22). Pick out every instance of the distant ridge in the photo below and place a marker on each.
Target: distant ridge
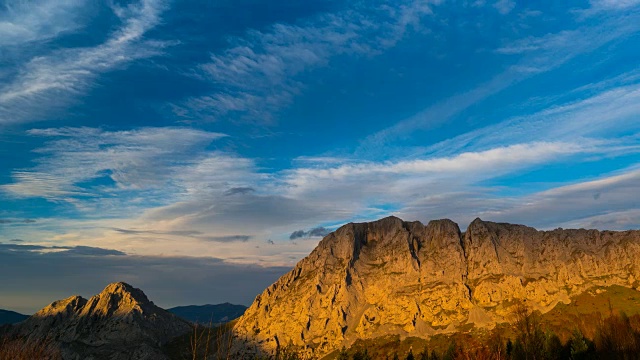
(205, 314)
(120, 323)
(11, 317)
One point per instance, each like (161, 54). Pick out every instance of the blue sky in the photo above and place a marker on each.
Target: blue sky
(229, 136)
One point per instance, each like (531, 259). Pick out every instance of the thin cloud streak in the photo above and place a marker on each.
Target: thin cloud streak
(52, 82)
(260, 73)
(541, 55)
(141, 159)
(24, 22)
(610, 111)
(185, 233)
(476, 165)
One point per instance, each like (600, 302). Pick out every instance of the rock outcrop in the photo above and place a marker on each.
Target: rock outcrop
(394, 277)
(119, 323)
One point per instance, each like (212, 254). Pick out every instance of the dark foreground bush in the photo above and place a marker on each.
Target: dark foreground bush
(23, 349)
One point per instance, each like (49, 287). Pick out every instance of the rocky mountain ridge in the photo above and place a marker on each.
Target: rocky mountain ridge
(405, 278)
(119, 323)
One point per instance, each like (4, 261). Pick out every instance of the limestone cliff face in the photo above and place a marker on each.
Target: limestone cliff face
(393, 277)
(119, 323)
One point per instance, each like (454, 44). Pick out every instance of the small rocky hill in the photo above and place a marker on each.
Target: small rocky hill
(117, 324)
(391, 277)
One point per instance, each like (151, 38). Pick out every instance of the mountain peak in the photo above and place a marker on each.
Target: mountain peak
(124, 289)
(118, 299)
(118, 286)
(118, 323)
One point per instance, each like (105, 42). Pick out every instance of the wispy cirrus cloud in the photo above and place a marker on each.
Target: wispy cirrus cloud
(413, 174)
(592, 203)
(140, 159)
(166, 186)
(611, 220)
(17, 221)
(261, 72)
(22, 22)
(602, 203)
(545, 42)
(609, 113)
(51, 82)
(122, 175)
(213, 196)
(537, 55)
(67, 250)
(199, 235)
(607, 5)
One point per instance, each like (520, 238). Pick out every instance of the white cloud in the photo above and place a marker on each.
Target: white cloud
(51, 82)
(356, 187)
(607, 114)
(22, 22)
(550, 41)
(613, 4)
(142, 159)
(260, 73)
(539, 55)
(187, 194)
(504, 6)
(594, 203)
(157, 191)
(612, 220)
(173, 190)
(490, 163)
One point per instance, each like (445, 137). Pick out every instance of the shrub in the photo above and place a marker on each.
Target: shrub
(24, 349)
(616, 338)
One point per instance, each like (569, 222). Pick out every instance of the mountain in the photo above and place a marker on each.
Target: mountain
(11, 317)
(205, 314)
(119, 323)
(391, 277)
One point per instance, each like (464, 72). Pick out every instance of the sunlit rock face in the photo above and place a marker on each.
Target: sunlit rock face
(394, 277)
(119, 323)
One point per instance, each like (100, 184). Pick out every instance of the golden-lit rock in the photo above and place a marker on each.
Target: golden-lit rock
(393, 277)
(119, 323)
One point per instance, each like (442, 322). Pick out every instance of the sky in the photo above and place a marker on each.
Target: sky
(199, 149)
